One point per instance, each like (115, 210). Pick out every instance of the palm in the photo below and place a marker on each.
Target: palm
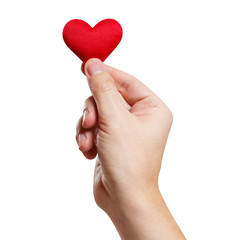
(140, 109)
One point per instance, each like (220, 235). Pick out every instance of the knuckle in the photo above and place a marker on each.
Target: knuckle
(169, 116)
(87, 102)
(79, 122)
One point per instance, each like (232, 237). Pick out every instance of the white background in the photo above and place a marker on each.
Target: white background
(187, 52)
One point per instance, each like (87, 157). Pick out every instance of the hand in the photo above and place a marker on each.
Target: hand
(127, 126)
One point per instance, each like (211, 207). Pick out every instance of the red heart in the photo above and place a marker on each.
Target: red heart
(87, 42)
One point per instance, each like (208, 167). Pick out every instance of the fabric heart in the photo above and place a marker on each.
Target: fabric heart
(87, 42)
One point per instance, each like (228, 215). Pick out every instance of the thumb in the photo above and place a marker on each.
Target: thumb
(103, 88)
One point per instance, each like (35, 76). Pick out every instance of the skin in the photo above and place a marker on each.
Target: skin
(126, 126)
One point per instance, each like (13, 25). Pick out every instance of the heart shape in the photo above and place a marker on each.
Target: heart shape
(87, 42)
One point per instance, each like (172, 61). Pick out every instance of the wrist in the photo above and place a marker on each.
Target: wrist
(133, 198)
(130, 216)
(145, 218)
(127, 207)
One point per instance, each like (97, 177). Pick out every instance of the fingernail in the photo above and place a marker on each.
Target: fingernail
(95, 67)
(81, 139)
(85, 113)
